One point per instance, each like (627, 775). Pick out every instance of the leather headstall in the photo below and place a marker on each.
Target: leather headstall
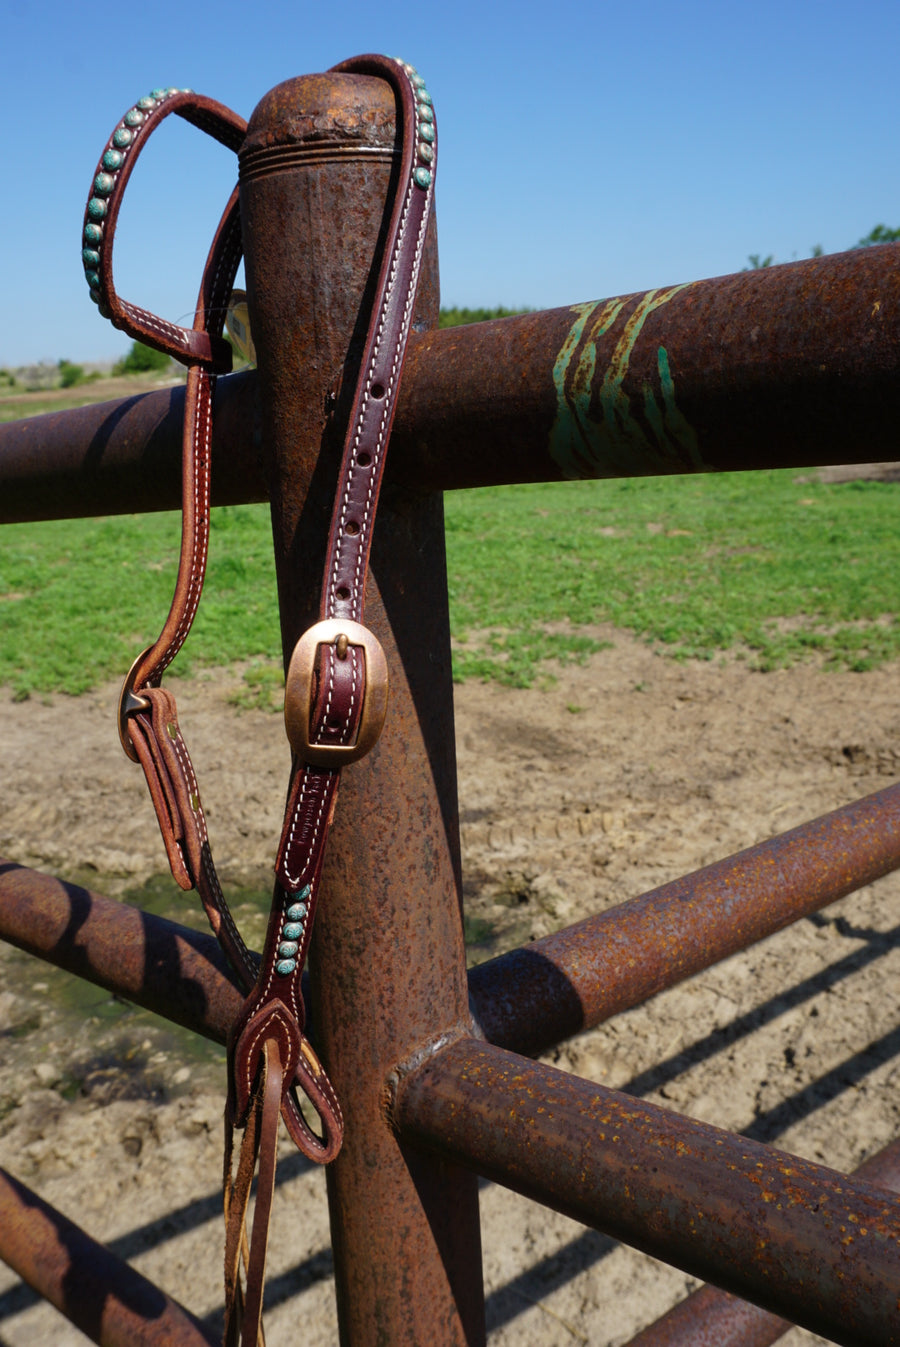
(337, 685)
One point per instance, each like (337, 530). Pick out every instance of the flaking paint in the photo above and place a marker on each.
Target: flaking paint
(597, 431)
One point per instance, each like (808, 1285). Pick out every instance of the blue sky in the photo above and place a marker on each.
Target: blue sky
(587, 149)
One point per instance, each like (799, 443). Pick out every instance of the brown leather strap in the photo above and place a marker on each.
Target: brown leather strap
(337, 680)
(336, 688)
(243, 1312)
(148, 724)
(201, 343)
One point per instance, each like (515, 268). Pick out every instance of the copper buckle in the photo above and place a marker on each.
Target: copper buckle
(298, 692)
(129, 702)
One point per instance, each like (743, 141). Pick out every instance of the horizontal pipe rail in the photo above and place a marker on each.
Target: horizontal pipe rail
(533, 998)
(793, 365)
(125, 455)
(527, 1000)
(710, 1317)
(713, 1318)
(97, 1291)
(794, 1237)
(155, 963)
(87, 934)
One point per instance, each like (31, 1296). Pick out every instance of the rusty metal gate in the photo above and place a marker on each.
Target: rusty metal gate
(792, 366)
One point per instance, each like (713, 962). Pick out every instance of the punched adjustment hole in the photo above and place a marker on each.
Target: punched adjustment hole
(377, 391)
(343, 592)
(352, 528)
(364, 459)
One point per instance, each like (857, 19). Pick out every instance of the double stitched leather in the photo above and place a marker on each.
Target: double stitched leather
(336, 687)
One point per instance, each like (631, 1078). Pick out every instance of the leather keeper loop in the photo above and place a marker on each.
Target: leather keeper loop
(246, 1044)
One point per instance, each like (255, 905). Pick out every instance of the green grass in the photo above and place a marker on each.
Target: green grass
(771, 568)
(80, 598)
(37, 403)
(761, 565)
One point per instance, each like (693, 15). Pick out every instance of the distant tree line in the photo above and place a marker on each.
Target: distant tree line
(880, 234)
(459, 317)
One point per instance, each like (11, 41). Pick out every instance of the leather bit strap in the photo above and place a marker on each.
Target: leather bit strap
(243, 1313)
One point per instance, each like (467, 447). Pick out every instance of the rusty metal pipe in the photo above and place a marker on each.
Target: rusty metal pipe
(526, 1000)
(532, 998)
(170, 969)
(743, 371)
(793, 365)
(99, 1293)
(794, 1237)
(713, 1318)
(125, 455)
(387, 961)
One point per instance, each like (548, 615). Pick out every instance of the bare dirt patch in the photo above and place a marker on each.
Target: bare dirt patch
(622, 775)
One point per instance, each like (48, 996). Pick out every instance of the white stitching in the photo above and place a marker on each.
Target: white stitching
(324, 725)
(303, 944)
(160, 325)
(399, 348)
(221, 906)
(348, 720)
(261, 1033)
(307, 775)
(201, 484)
(200, 547)
(348, 723)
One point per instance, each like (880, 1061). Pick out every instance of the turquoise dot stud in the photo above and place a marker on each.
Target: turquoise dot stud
(426, 153)
(285, 967)
(423, 95)
(146, 104)
(426, 132)
(92, 233)
(425, 113)
(288, 949)
(422, 177)
(123, 138)
(158, 93)
(97, 208)
(90, 257)
(104, 183)
(133, 117)
(297, 910)
(292, 930)
(112, 160)
(92, 279)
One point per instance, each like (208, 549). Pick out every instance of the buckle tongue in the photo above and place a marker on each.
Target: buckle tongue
(298, 693)
(129, 702)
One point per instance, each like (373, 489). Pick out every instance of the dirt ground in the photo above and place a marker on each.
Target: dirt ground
(620, 776)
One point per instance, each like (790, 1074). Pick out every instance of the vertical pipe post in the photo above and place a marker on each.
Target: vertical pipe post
(388, 960)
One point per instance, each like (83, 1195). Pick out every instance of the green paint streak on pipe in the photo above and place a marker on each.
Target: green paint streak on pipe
(596, 433)
(567, 439)
(680, 430)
